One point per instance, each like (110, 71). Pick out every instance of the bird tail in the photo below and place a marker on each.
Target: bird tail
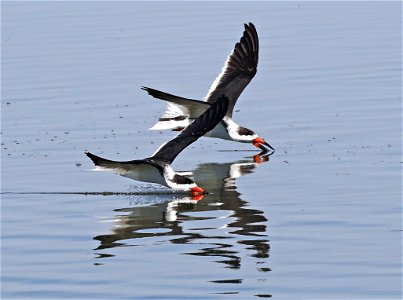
(179, 112)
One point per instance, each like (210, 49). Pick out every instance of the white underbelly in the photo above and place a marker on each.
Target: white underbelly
(219, 132)
(146, 173)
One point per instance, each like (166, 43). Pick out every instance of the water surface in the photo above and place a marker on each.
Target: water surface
(322, 218)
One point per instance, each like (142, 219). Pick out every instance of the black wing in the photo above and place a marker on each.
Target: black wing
(203, 124)
(239, 69)
(169, 97)
(191, 108)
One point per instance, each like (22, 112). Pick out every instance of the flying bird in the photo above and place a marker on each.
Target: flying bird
(238, 71)
(157, 168)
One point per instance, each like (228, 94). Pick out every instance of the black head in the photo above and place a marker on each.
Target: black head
(182, 179)
(245, 131)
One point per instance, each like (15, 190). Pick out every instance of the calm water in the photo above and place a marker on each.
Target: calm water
(322, 218)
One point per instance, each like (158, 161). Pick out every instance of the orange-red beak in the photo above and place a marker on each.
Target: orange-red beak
(259, 142)
(198, 197)
(197, 191)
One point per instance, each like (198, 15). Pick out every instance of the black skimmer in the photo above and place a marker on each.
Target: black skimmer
(238, 71)
(157, 168)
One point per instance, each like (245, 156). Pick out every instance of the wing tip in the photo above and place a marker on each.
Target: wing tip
(93, 157)
(249, 25)
(145, 88)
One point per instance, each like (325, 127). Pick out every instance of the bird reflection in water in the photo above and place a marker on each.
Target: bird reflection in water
(245, 225)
